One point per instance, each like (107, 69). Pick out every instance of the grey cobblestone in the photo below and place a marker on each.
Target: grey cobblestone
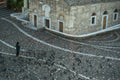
(37, 68)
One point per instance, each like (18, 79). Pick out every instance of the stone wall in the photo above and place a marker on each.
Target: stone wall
(83, 2)
(57, 9)
(76, 18)
(82, 17)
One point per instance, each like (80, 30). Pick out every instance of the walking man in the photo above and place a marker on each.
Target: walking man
(17, 49)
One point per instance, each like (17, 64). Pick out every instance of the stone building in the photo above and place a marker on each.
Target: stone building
(73, 17)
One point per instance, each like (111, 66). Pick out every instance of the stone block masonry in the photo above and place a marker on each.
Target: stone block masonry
(74, 17)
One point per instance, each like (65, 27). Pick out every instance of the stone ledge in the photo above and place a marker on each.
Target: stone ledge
(82, 36)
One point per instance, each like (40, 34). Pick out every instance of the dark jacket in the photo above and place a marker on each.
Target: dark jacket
(17, 48)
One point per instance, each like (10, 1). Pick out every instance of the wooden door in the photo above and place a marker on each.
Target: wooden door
(47, 23)
(61, 26)
(35, 20)
(104, 22)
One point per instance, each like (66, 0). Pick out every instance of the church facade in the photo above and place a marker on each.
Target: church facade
(74, 17)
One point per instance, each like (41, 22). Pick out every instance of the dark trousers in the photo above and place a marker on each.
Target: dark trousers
(17, 53)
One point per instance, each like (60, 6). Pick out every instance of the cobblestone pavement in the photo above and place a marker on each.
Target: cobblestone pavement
(40, 61)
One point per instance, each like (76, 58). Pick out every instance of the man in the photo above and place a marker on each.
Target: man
(17, 49)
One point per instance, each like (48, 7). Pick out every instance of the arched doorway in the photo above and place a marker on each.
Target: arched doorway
(105, 20)
(47, 23)
(60, 26)
(61, 23)
(35, 20)
(47, 19)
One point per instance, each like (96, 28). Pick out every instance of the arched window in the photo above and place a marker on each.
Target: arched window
(115, 15)
(116, 10)
(93, 19)
(105, 12)
(47, 10)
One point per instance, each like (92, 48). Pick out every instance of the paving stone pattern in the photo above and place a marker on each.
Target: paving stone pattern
(39, 61)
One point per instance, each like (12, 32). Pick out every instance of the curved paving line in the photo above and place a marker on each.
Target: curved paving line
(116, 39)
(57, 65)
(106, 48)
(7, 44)
(57, 47)
(80, 43)
(97, 46)
(60, 66)
(100, 40)
(10, 45)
